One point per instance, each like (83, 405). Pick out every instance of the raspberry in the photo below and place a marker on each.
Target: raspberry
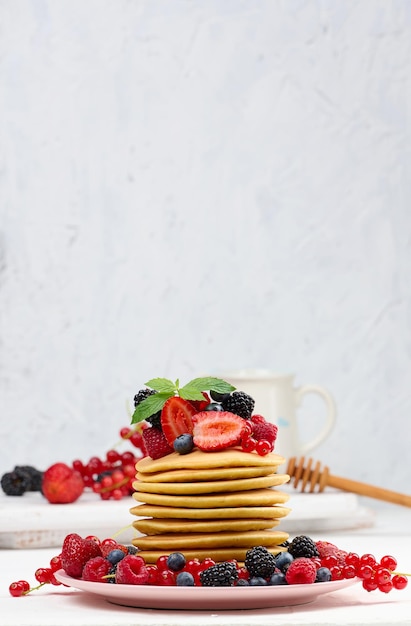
(264, 430)
(325, 548)
(76, 552)
(155, 443)
(301, 571)
(131, 570)
(239, 403)
(96, 569)
(303, 546)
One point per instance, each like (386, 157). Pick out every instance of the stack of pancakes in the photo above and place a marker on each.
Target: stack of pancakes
(214, 504)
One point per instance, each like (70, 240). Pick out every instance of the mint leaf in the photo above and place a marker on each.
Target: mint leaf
(162, 385)
(149, 406)
(209, 383)
(190, 394)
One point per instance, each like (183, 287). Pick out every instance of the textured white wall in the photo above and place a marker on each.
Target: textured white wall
(194, 186)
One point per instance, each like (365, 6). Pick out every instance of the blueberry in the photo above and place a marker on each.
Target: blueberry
(115, 556)
(185, 579)
(278, 578)
(183, 444)
(214, 406)
(283, 560)
(242, 582)
(258, 581)
(323, 575)
(176, 561)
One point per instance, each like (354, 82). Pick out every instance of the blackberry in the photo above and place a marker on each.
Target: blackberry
(260, 562)
(218, 397)
(219, 575)
(35, 476)
(15, 483)
(111, 576)
(155, 419)
(303, 546)
(239, 403)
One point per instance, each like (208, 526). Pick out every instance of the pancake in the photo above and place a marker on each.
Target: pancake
(224, 539)
(218, 554)
(197, 475)
(166, 512)
(205, 487)
(152, 526)
(256, 497)
(231, 457)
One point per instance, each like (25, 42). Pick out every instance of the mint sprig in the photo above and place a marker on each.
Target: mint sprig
(167, 389)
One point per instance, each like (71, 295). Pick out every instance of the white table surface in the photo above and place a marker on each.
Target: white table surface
(60, 606)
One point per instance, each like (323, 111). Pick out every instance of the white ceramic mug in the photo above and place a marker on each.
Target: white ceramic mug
(277, 399)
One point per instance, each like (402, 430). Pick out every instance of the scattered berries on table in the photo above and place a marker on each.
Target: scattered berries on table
(62, 484)
(15, 483)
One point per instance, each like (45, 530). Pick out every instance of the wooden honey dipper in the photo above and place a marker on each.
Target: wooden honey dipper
(313, 476)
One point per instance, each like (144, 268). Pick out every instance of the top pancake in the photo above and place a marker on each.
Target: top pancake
(198, 460)
(203, 475)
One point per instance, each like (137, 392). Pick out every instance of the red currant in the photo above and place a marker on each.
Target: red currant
(386, 587)
(248, 444)
(167, 578)
(125, 432)
(43, 574)
(162, 563)
(368, 559)
(382, 575)
(399, 581)
(113, 456)
(263, 447)
(55, 563)
(348, 571)
(336, 572)
(365, 572)
(389, 562)
(19, 588)
(153, 575)
(370, 584)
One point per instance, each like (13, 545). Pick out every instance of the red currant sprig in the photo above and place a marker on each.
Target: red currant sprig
(43, 575)
(375, 575)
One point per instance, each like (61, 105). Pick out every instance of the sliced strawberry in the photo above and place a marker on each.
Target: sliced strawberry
(217, 430)
(176, 418)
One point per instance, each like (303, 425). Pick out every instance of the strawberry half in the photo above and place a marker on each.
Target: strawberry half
(217, 430)
(176, 418)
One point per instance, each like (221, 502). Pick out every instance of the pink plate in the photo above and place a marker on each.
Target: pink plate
(205, 598)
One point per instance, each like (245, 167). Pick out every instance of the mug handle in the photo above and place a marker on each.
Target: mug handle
(330, 416)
